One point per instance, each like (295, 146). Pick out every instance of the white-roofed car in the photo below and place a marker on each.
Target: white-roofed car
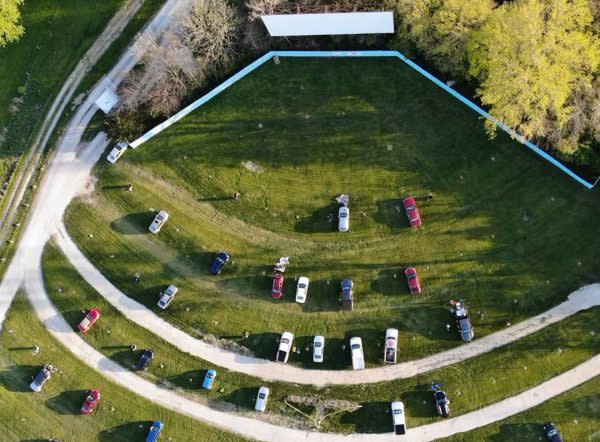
(343, 219)
(391, 345)
(41, 378)
(159, 220)
(318, 348)
(167, 296)
(117, 152)
(302, 290)
(356, 350)
(398, 417)
(285, 345)
(261, 399)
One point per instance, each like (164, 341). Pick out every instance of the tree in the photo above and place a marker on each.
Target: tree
(532, 58)
(10, 17)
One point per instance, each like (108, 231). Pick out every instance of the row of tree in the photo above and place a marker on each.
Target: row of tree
(535, 62)
(10, 21)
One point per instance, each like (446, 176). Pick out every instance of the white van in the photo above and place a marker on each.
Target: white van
(358, 357)
(398, 417)
(391, 345)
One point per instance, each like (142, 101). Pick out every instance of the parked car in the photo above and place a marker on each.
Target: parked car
(413, 280)
(159, 220)
(41, 378)
(398, 417)
(277, 289)
(90, 402)
(412, 212)
(356, 351)
(219, 262)
(144, 360)
(285, 345)
(90, 319)
(261, 399)
(391, 346)
(302, 290)
(462, 321)
(343, 219)
(442, 404)
(117, 152)
(155, 430)
(552, 433)
(347, 294)
(167, 297)
(318, 348)
(211, 374)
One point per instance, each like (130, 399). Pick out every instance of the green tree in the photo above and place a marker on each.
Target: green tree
(10, 17)
(531, 57)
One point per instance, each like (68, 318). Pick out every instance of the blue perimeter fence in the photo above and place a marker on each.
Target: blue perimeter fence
(324, 54)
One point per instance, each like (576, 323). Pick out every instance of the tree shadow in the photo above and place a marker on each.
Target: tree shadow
(17, 378)
(518, 432)
(243, 396)
(136, 430)
(264, 345)
(67, 402)
(127, 358)
(391, 213)
(321, 221)
(322, 296)
(391, 282)
(372, 417)
(133, 223)
(183, 379)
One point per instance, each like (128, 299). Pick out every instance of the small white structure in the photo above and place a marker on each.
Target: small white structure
(107, 100)
(332, 23)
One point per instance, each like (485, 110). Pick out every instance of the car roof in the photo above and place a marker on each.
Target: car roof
(263, 390)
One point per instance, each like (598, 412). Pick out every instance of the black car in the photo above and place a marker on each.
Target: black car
(219, 263)
(441, 403)
(461, 318)
(144, 360)
(552, 433)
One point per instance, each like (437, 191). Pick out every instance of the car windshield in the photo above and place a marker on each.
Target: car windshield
(262, 395)
(411, 207)
(411, 276)
(302, 285)
(90, 398)
(397, 411)
(89, 317)
(355, 346)
(318, 344)
(285, 340)
(209, 375)
(159, 218)
(343, 215)
(552, 433)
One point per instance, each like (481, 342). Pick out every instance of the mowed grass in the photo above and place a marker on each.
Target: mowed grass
(54, 413)
(472, 384)
(57, 34)
(498, 232)
(575, 413)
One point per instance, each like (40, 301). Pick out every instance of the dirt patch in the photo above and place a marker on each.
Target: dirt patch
(87, 192)
(252, 166)
(226, 344)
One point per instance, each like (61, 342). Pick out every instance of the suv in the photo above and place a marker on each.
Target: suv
(41, 378)
(144, 360)
(461, 318)
(219, 262)
(285, 345)
(391, 345)
(277, 288)
(347, 294)
(167, 297)
(441, 401)
(356, 350)
(398, 418)
(552, 433)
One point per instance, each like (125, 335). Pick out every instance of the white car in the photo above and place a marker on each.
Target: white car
(167, 297)
(391, 345)
(318, 348)
(398, 417)
(358, 357)
(285, 345)
(117, 152)
(41, 378)
(159, 221)
(261, 399)
(343, 219)
(302, 290)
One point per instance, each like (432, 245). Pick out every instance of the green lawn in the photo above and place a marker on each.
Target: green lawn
(374, 129)
(470, 385)
(119, 416)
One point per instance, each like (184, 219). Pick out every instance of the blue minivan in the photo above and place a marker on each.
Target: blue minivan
(209, 379)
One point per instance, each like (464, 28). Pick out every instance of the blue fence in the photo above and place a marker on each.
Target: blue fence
(328, 54)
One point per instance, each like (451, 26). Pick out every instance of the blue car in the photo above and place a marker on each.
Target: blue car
(144, 360)
(209, 379)
(155, 429)
(219, 263)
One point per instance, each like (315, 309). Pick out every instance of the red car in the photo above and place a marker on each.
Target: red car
(90, 402)
(412, 212)
(413, 281)
(277, 290)
(89, 320)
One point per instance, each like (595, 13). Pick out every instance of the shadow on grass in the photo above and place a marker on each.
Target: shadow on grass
(322, 297)
(391, 213)
(243, 396)
(17, 378)
(264, 345)
(67, 402)
(129, 431)
(182, 380)
(391, 282)
(133, 223)
(520, 432)
(372, 417)
(321, 221)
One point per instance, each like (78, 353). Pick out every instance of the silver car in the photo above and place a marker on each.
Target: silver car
(159, 220)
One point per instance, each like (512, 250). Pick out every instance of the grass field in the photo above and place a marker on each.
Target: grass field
(470, 385)
(318, 128)
(27, 416)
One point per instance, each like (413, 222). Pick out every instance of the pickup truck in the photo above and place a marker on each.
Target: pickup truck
(391, 345)
(285, 345)
(356, 349)
(398, 417)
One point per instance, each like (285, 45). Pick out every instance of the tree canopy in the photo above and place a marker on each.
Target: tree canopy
(10, 17)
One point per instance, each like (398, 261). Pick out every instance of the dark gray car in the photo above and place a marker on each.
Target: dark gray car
(347, 294)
